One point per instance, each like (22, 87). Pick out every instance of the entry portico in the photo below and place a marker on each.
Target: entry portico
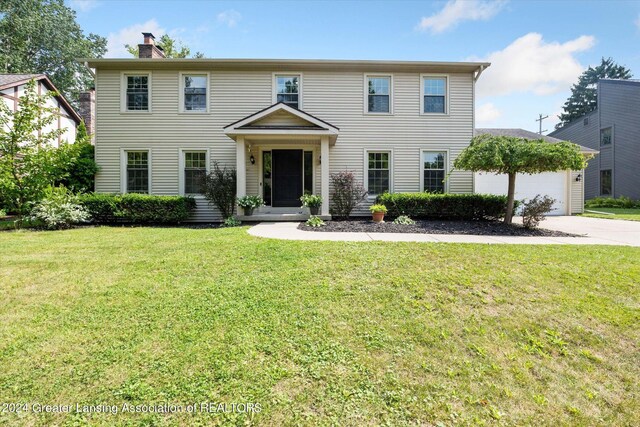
(286, 146)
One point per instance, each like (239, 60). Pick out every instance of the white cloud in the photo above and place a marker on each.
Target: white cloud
(131, 35)
(530, 64)
(487, 113)
(84, 5)
(456, 11)
(230, 18)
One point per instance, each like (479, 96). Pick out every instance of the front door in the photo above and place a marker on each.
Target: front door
(287, 178)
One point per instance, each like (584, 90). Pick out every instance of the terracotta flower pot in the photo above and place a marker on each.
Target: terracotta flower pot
(378, 216)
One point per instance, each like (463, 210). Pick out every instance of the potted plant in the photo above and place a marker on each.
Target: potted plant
(312, 202)
(378, 211)
(249, 203)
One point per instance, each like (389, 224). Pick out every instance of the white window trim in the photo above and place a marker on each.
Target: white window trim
(123, 168)
(123, 91)
(447, 100)
(365, 86)
(447, 166)
(274, 86)
(181, 75)
(366, 169)
(181, 152)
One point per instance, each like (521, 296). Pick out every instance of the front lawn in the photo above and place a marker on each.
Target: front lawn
(613, 213)
(331, 333)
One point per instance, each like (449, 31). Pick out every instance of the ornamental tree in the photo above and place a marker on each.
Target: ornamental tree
(510, 155)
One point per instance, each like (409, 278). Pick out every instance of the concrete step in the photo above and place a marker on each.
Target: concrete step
(279, 217)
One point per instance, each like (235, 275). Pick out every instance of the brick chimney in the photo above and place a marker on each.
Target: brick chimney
(88, 112)
(148, 49)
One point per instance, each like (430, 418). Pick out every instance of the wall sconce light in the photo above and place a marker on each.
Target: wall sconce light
(579, 177)
(319, 160)
(252, 160)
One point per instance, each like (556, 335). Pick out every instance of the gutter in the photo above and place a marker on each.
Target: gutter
(86, 64)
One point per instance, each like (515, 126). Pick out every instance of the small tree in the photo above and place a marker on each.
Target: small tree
(219, 189)
(78, 163)
(511, 155)
(29, 163)
(347, 193)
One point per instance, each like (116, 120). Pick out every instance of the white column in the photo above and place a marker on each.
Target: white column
(241, 169)
(324, 174)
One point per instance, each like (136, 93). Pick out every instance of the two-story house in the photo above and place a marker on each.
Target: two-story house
(613, 128)
(285, 125)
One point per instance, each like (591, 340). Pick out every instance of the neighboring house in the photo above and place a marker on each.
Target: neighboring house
(567, 187)
(285, 125)
(12, 87)
(613, 129)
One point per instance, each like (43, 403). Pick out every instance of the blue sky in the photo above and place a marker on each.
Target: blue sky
(537, 48)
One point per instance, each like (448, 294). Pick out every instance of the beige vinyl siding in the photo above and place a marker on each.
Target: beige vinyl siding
(577, 192)
(336, 97)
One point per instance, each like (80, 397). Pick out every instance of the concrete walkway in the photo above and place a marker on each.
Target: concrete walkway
(595, 231)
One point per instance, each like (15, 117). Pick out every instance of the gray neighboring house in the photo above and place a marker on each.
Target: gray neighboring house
(613, 129)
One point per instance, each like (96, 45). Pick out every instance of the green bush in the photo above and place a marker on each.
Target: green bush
(137, 208)
(445, 206)
(610, 202)
(59, 209)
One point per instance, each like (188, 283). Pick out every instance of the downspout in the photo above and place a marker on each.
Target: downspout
(480, 70)
(86, 64)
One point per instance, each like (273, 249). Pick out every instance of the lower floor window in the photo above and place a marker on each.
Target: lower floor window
(605, 182)
(433, 171)
(378, 170)
(195, 169)
(137, 171)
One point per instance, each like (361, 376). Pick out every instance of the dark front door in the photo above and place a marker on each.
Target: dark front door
(287, 178)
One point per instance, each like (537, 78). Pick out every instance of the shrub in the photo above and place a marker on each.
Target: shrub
(404, 220)
(137, 208)
(219, 189)
(78, 166)
(232, 221)
(534, 210)
(3, 213)
(378, 208)
(250, 202)
(315, 221)
(445, 206)
(609, 202)
(311, 201)
(59, 209)
(347, 193)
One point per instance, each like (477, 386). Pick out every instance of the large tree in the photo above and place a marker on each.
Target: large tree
(510, 155)
(584, 96)
(172, 48)
(42, 36)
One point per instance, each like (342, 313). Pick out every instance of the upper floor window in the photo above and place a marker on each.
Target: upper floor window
(137, 92)
(195, 169)
(605, 136)
(378, 94)
(433, 171)
(137, 172)
(434, 94)
(378, 171)
(194, 92)
(288, 90)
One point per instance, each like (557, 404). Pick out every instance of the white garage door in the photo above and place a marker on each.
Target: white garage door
(553, 184)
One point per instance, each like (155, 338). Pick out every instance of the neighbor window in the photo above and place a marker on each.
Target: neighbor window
(433, 171)
(605, 182)
(137, 93)
(195, 169)
(379, 94)
(195, 92)
(288, 90)
(137, 171)
(378, 171)
(434, 96)
(605, 136)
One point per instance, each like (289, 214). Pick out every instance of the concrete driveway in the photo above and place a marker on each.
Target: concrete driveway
(606, 231)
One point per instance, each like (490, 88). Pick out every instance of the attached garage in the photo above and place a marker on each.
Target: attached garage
(567, 187)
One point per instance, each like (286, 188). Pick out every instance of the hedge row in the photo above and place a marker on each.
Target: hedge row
(137, 208)
(445, 206)
(610, 202)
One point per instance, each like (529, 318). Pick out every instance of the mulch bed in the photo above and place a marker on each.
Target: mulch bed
(482, 228)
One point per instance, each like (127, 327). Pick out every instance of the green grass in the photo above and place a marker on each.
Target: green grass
(317, 333)
(618, 213)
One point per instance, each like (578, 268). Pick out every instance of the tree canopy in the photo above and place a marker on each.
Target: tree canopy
(172, 48)
(511, 155)
(584, 96)
(42, 36)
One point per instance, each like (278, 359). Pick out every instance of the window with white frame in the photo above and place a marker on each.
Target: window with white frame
(434, 95)
(137, 169)
(378, 171)
(137, 92)
(378, 94)
(195, 169)
(194, 92)
(433, 171)
(288, 90)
